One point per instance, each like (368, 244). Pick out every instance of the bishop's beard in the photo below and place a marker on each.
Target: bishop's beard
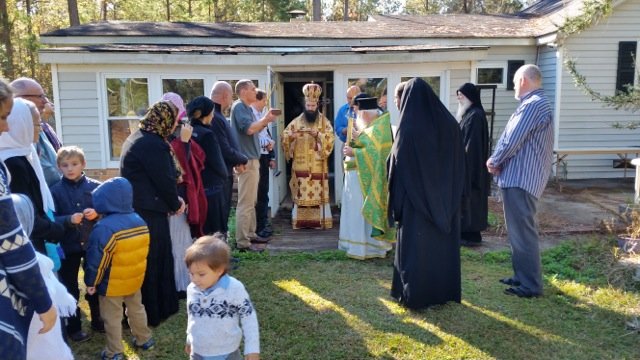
(311, 116)
(463, 106)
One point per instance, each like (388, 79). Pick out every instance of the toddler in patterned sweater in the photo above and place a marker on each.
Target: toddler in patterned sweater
(219, 311)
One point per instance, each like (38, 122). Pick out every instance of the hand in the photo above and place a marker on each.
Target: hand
(90, 214)
(314, 132)
(269, 117)
(269, 146)
(91, 290)
(239, 169)
(355, 133)
(347, 150)
(344, 131)
(48, 111)
(252, 356)
(187, 349)
(272, 164)
(48, 319)
(185, 132)
(494, 170)
(182, 208)
(76, 218)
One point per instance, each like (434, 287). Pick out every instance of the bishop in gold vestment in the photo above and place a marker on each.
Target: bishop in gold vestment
(308, 141)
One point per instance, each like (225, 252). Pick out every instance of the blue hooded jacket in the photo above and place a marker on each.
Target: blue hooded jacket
(119, 243)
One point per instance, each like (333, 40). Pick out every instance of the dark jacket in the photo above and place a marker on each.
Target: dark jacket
(215, 172)
(73, 197)
(228, 144)
(119, 243)
(147, 163)
(25, 181)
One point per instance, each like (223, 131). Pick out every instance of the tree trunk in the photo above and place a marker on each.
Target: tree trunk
(190, 10)
(426, 6)
(7, 61)
(317, 10)
(103, 10)
(74, 17)
(465, 9)
(345, 16)
(168, 10)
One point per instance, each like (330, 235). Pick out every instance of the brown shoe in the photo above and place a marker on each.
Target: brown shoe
(260, 240)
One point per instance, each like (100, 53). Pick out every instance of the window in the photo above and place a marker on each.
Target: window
(188, 89)
(490, 75)
(127, 102)
(433, 81)
(626, 64)
(512, 67)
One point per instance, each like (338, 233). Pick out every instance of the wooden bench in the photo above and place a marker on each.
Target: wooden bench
(622, 153)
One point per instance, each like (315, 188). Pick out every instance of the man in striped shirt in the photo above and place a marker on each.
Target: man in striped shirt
(521, 163)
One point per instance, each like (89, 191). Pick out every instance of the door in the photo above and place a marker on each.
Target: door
(278, 177)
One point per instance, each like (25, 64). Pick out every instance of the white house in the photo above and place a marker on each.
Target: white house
(105, 74)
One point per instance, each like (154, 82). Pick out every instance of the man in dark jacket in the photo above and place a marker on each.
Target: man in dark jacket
(475, 137)
(222, 96)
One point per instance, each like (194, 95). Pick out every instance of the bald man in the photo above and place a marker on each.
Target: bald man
(48, 142)
(345, 112)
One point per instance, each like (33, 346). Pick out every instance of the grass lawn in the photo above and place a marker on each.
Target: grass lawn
(326, 306)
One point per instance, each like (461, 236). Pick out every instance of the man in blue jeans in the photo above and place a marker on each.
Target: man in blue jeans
(521, 163)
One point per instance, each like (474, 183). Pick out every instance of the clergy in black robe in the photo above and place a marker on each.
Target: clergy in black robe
(475, 138)
(426, 174)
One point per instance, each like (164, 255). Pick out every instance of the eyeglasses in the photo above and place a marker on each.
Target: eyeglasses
(41, 96)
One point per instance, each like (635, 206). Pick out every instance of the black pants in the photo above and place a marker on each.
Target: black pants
(68, 274)
(227, 190)
(262, 203)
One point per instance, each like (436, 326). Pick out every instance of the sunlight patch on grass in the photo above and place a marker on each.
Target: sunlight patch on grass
(612, 299)
(531, 330)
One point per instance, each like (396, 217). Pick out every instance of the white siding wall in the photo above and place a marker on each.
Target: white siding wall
(587, 123)
(547, 62)
(78, 104)
(505, 103)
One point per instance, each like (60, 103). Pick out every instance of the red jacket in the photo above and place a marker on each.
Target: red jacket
(192, 167)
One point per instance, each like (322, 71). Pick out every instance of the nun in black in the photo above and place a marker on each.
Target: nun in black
(475, 138)
(426, 180)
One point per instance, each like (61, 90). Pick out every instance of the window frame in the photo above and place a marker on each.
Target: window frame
(490, 65)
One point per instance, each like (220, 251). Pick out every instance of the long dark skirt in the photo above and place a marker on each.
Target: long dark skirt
(216, 219)
(159, 294)
(427, 263)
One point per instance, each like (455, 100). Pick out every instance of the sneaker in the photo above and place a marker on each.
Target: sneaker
(146, 346)
(80, 336)
(117, 356)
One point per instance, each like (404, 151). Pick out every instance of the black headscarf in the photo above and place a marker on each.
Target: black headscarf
(472, 93)
(426, 165)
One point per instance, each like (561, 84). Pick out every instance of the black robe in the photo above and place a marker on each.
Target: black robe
(426, 180)
(475, 137)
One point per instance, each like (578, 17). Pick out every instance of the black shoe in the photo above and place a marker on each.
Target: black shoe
(260, 240)
(80, 336)
(520, 292)
(97, 326)
(467, 243)
(510, 282)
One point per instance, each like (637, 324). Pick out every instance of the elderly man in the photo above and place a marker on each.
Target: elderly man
(345, 112)
(521, 163)
(308, 141)
(247, 129)
(475, 138)
(222, 96)
(48, 142)
(364, 199)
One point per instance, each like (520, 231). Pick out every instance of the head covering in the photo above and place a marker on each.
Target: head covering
(472, 93)
(426, 165)
(199, 108)
(159, 119)
(366, 103)
(18, 141)
(176, 100)
(24, 209)
(312, 92)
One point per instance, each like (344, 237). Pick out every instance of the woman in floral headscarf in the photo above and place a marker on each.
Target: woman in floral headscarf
(147, 163)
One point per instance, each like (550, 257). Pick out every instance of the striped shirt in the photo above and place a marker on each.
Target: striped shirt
(524, 152)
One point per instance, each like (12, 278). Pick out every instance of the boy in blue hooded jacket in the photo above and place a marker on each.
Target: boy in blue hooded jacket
(116, 262)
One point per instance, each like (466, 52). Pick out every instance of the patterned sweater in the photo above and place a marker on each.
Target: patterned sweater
(22, 289)
(219, 316)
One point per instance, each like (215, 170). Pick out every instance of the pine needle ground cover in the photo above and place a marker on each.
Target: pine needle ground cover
(326, 306)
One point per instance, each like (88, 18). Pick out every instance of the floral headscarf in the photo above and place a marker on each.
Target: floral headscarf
(160, 119)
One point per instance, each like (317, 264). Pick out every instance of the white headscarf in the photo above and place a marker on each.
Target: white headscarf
(18, 141)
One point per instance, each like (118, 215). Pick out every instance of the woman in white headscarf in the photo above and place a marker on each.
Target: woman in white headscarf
(19, 155)
(49, 345)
